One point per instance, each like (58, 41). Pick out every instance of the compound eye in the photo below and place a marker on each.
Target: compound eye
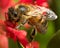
(23, 9)
(11, 10)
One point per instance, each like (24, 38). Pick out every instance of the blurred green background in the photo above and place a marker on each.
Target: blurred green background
(51, 39)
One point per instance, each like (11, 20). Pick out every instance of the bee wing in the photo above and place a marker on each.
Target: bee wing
(34, 13)
(39, 11)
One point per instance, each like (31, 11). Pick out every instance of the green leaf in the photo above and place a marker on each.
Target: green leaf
(55, 6)
(13, 44)
(55, 41)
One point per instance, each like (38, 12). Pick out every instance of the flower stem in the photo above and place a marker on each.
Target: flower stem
(19, 45)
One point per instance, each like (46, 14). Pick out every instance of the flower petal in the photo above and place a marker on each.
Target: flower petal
(25, 1)
(33, 45)
(42, 3)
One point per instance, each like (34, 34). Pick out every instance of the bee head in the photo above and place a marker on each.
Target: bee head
(12, 14)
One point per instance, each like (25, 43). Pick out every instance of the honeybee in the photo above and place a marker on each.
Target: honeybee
(34, 15)
(38, 17)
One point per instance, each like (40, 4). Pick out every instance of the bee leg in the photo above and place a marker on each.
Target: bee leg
(20, 25)
(25, 21)
(32, 35)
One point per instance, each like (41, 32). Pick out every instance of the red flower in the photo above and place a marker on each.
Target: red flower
(21, 36)
(26, 1)
(13, 33)
(18, 34)
(42, 3)
(37, 2)
(5, 4)
(33, 45)
(10, 24)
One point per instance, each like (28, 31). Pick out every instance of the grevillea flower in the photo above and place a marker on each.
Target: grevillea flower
(20, 35)
(15, 34)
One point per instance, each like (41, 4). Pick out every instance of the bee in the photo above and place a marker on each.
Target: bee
(34, 15)
(38, 17)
